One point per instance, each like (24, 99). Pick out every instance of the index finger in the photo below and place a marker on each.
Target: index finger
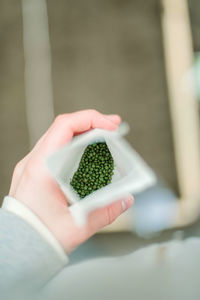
(67, 125)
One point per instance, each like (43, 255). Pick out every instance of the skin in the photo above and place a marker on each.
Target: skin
(34, 187)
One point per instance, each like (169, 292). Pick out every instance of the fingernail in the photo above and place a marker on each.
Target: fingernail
(126, 203)
(114, 118)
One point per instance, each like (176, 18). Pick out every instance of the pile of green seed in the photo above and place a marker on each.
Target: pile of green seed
(95, 169)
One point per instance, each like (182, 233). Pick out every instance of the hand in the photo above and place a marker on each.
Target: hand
(34, 187)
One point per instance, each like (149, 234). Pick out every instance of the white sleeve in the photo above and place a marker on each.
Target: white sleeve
(22, 211)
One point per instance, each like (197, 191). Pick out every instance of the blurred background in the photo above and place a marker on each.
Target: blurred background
(114, 56)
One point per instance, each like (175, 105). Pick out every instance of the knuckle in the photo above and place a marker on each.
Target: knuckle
(110, 215)
(18, 167)
(30, 170)
(60, 119)
(113, 211)
(93, 112)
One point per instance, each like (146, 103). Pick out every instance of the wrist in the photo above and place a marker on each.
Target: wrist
(22, 211)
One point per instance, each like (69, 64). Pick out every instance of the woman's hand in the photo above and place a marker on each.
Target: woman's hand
(33, 185)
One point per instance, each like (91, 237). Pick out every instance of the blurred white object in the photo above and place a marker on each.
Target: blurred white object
(155, 210)
(178, 51)
(197, 74)
(37, 56)
(191, 79)
(131, 174)
(167, 271)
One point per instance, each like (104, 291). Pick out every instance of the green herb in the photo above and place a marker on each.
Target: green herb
(95, 170)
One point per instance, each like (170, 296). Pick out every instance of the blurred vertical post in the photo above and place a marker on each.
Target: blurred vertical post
(183, 105)
(37, 54)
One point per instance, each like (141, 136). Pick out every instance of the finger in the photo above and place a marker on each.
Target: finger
(96, 220)
(105, 216)
(114, 118)
(68, 125)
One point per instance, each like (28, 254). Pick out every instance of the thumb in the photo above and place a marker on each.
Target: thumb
(97, 219)
(105, 216)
